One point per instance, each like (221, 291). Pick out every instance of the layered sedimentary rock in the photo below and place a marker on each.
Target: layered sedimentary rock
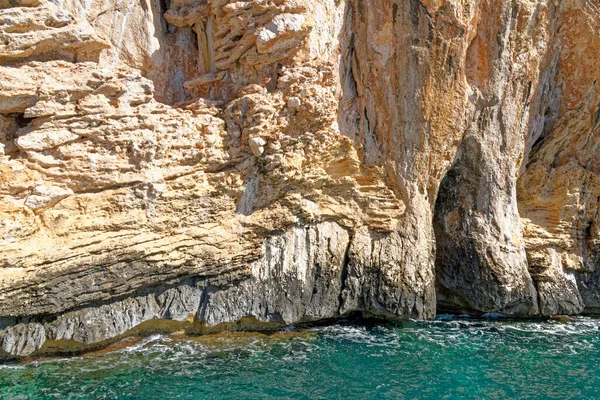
(559, 187)
(202, 165)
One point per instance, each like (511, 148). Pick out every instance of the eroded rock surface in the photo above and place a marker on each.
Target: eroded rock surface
(201, 165)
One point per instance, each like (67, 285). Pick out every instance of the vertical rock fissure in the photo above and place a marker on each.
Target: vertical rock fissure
(203, 303)
(164, 7)
(344, 275)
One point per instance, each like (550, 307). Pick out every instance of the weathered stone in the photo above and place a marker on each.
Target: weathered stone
(41, 140)
(46, 32)
(225, 164)
(257, 146)
(23, 339)
(46, 196)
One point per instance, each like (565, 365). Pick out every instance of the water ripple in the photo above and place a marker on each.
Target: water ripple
(445, 358)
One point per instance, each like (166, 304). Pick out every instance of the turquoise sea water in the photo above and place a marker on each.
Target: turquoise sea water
(455, 359)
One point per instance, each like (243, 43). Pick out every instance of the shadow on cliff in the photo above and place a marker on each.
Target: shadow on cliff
(175, 61)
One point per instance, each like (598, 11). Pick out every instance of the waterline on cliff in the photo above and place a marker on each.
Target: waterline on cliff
(455, 358)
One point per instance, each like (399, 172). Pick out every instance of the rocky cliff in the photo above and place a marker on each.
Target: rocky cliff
(200, 165)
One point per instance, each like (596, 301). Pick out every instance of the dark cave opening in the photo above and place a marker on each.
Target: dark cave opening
(455, 266)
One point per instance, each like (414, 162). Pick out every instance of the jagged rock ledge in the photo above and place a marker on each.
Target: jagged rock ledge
(310, 273)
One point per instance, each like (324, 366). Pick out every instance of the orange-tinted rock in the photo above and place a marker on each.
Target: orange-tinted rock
(287, 161)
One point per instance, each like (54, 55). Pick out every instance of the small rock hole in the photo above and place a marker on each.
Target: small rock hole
(22, 121)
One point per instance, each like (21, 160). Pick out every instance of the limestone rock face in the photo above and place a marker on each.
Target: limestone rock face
(558, 189)
(200, 165)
